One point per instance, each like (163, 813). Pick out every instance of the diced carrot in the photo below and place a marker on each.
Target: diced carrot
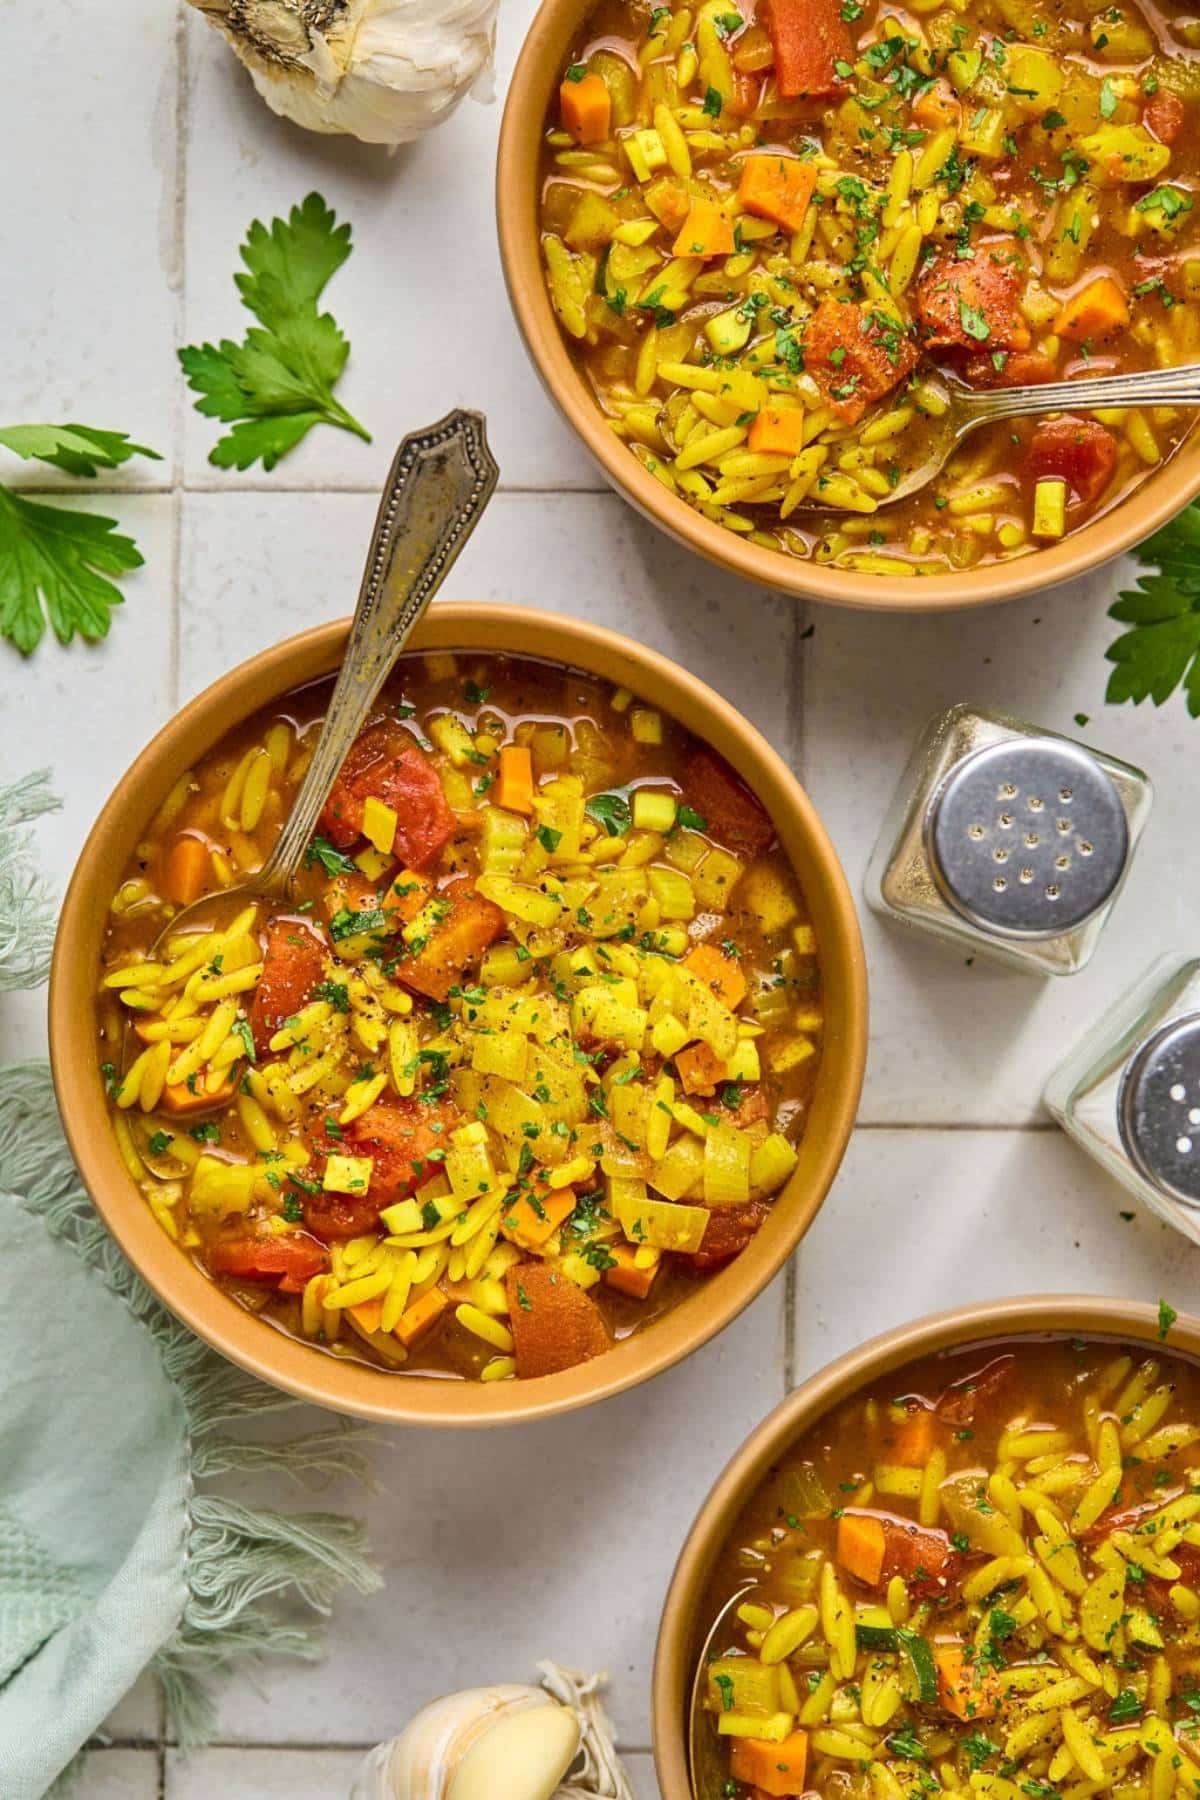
(629, 1276)
(181, 1099)
(860, 1545)
(455, 945)
(777, 187)
(1082, 451)
(914, 1438)
(856, 354)
(968, 1690)
(811, 38)
(554, 1323)
(1164, 115)
(291, 1260)
(669, 201)
(188, 863)
(975, 304)
(771, 1768)
(1098, 309)
(937, 107)
(719, 972)
(778, 431)
(536, 1215)
(368, 1314)
(421, 1316)
(405, 895)
(699, 1069)
(707, 230)
(586, 109)
(514, 790)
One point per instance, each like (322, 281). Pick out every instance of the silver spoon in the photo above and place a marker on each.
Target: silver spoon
(705, 1763)
(440, 481)
(969, 408)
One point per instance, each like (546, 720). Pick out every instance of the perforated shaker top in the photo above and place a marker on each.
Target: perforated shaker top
(1027, 838)
(1159, 1109)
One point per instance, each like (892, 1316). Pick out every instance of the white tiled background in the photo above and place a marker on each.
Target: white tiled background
(117, 244)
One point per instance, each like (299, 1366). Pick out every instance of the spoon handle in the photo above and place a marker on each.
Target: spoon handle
(440, 481)
(1145, 387)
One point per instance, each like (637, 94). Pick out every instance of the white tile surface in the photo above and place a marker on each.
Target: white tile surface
(558, 1539)
(919, 1221)
(88, 240)
(297, 1775)
(421, 299)
(974, 1044)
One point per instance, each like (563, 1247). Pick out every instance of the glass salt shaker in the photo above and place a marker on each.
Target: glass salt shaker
(1010, 839)
(1129, 1094)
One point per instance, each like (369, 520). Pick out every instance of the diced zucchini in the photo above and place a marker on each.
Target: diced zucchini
(1050, 507)
(742, 1684)
(654, 809)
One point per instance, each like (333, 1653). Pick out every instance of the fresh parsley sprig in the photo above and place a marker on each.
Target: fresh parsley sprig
(278, 382)
(55, 563)
(1161, 650)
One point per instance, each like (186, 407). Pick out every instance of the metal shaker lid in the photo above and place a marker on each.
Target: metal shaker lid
(1158, 1109)
(1027, 838)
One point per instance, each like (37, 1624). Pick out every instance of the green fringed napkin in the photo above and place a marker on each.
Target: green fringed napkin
(112, 1559)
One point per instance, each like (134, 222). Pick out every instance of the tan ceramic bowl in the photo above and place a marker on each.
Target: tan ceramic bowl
(534, 82)
(352, 1387)
(683, 1629)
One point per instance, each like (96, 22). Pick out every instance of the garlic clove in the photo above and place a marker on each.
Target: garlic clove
(495, 1743)
(523, 1757)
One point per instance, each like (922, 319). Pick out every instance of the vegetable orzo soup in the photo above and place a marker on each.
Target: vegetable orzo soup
(979, 1576)
(775, 233)
(525, 1061)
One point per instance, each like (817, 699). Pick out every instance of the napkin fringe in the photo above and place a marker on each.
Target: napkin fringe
(245, 1565)
(27, 910)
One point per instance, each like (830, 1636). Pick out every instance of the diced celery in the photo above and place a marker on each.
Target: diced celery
(559, 809)
(603, 1014)
(616, 901)
(771, 897)
(646, 726)
(372, 863)
(653, 809)
(715, 879)
(645, 152)
(592, 222)
(535, 906)
(742, 1684)
(379, 824)
(468, 1165)
(658, 1118)
(789, 1052)
(661, 1224)
(680, 1172)
(771, 1162)
(673, 892)
(451, 736)
(744, 1064)
(805, 940)
(1050, 507)
(347, 1174)
(628, 1108)
(502, 841)
(504, 1053)
(685, 850)
(503, 966)
(774, 1728)
(984, 132)
(726, 1166)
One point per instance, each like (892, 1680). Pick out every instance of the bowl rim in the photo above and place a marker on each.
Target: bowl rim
(1160, 496)
(275, 1357)
(980, 1322)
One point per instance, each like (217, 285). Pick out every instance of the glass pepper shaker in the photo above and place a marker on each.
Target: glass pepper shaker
(1010, 839)
(1129, 1094)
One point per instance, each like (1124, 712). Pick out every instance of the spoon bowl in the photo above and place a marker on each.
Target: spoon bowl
(967, 409)
(705, 1764)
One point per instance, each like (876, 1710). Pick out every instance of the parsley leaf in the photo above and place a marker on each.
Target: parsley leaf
(612, 811)
(973, 322)
(331, 860)
(1162, 650)
(278, 383)
(1166, 1318)
(54, 561)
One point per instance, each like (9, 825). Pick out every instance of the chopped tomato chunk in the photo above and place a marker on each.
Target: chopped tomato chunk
(810, 38)
(469, 924)
(1164, 115)
(554, 1324)
(856, 354)
(399, 1136)
(1009, 368)
(385, 764)
(973, 305)
(959, 1403)
(1082, 451)
(727, 806)
(729, 1230)
(290, 1260)
(292, 967)
(923, 1555)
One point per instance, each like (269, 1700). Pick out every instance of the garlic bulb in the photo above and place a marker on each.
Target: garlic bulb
(503, 1743)
(380, 70)
(494, 1743)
